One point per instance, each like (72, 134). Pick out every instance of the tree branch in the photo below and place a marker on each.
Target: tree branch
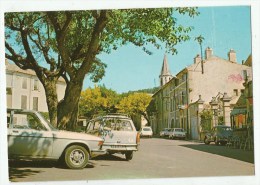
(44, 49)
(94, 43)
(60, 37)
(17, 59)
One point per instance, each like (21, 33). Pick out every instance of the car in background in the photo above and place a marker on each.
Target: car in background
(219, 135)
(146, 132)
(31, 136)
(177, 133)
(118, 132)
(165, 132)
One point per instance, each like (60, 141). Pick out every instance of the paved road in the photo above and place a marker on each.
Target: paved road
(156, 158)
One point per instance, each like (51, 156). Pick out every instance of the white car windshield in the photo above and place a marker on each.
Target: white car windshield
(146, 129)
(109, 124)
(118, 124)
(178, 130)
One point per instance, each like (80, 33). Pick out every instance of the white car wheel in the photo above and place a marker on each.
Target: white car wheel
(76, 157)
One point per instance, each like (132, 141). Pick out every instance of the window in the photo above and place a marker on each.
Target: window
(242, 91)
(24, 83)
(184, 77)
(26, 120)
(35, 84)
(147, 129)
(235, 92)
(245, 75)
(176, 82)
(166, 105)
(9, 101)
(171, 104)
(35, 103)
(23, 102)
(182, 98)
(9, 91)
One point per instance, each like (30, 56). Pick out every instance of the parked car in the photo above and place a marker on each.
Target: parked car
(31, 136)
(219, 135)
(118, 132)
(165, 132)
(146, 132)
(177, 133)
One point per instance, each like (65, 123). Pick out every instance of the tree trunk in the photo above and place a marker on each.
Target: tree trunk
(147, 118)
(52, 100)
(68, 108)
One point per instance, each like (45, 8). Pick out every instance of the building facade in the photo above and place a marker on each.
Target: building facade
(242, 113)
(179, 101)
(25, 91)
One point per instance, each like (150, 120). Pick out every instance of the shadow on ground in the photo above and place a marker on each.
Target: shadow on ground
(108, 157)
(239, 154)
(24, 168)
(39, 164)
(15, 173)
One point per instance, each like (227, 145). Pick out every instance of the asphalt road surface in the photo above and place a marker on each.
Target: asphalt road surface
(156, 158)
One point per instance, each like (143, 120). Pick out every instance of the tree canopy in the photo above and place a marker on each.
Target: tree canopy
(97, 101)
(67, 44)
(134, 104)
(100, 100)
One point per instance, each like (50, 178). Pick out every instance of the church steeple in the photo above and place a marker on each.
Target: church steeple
(166, 75)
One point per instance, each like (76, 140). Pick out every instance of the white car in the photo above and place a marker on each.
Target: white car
(165, 132)
(31, 136)
(177, 133)
(146, 132)
(118, 132)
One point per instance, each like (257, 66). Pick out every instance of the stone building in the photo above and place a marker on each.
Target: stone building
(25, 91)
(242, 113)
(180, 100)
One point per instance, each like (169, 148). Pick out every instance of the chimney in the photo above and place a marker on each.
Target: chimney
(197, 59)
(232, 56)
(208, 53)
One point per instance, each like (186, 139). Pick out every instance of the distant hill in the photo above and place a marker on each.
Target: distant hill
(149, 91)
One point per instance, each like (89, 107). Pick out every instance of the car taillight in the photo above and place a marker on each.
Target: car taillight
(138, 138)
(100, 143)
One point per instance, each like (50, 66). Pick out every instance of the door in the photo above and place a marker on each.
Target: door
(27, 136)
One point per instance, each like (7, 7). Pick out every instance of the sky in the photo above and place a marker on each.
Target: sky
(223, 28)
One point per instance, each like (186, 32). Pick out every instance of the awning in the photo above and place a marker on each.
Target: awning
(238, 111)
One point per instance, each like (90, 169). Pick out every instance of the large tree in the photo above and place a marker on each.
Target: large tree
(66, 44)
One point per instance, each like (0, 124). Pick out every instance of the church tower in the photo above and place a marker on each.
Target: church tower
(165, 72)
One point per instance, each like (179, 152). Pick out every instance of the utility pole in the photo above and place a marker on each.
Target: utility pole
(200, 39)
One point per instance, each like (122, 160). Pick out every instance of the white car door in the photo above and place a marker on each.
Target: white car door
(27, 136)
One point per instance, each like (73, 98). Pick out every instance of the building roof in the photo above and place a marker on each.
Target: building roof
(15, 69)
(193, 67)
(248, 61)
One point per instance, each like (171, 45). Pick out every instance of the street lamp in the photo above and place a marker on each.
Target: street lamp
(214, 106)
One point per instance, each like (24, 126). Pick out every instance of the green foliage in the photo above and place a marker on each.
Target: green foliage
(98, 100)
(137, 26)
(220, 120)
(67, 44)
(45, 115)
(199, 39)
(148, 91)
(151, 108)
(206, 119)
(135, 103)
(101, 100)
